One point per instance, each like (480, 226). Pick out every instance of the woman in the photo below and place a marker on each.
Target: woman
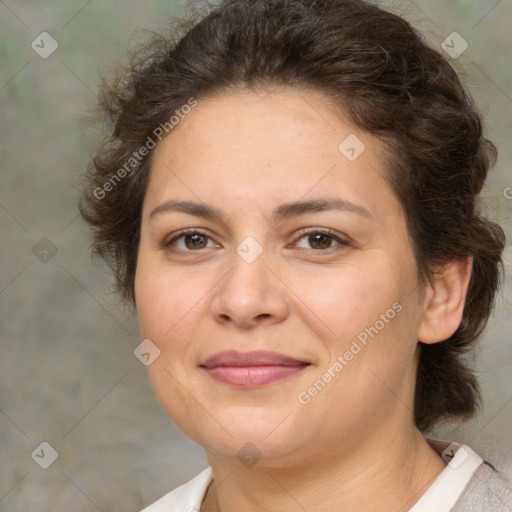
(288, 199)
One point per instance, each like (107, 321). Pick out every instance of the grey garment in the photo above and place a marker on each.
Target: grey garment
(487, 491)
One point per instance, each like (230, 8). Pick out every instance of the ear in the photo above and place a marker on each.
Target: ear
(444, 301)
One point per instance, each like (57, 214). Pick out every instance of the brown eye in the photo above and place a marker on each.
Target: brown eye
(190, 241)
(195, 241)
(320, 241)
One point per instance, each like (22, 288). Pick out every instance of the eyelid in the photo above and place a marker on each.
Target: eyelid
(168, 241)
(342, 239)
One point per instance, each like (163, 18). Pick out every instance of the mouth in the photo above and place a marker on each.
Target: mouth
(251, 369)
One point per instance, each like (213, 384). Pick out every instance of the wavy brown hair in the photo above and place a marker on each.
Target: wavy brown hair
(377, 69)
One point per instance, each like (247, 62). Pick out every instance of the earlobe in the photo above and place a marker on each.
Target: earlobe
(445, 301)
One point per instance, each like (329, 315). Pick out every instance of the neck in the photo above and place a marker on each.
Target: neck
(388, 473)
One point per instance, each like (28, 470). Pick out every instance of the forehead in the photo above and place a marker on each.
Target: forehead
(266, 147)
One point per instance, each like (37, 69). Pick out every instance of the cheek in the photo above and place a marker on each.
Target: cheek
(168, 307)
(166, 300)
(344, 302)
(172, 306)
(365, 313)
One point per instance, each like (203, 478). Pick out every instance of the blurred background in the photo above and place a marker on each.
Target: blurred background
(68, 375)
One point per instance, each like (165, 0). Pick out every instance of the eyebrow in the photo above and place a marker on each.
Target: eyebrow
(288, 210)
(284, 211)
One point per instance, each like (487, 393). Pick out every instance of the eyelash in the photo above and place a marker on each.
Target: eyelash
(168, 244)
(341, 242)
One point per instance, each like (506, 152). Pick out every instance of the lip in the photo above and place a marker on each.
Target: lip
(251, 369)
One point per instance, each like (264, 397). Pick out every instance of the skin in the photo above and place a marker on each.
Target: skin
(355, 443)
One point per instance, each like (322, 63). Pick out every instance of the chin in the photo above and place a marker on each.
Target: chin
(270, 435)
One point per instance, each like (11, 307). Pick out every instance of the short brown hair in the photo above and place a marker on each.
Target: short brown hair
(389, 81)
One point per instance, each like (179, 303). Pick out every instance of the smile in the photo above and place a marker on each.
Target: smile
(251, 369)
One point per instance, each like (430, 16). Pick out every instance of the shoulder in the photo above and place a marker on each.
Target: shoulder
(186, 498)
(467, 484)
(489, 489)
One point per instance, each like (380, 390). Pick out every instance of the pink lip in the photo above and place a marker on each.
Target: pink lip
(251, 369)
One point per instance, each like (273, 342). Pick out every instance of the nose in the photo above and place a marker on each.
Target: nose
(250, 295)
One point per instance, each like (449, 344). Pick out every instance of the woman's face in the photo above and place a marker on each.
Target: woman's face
(287, 315)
